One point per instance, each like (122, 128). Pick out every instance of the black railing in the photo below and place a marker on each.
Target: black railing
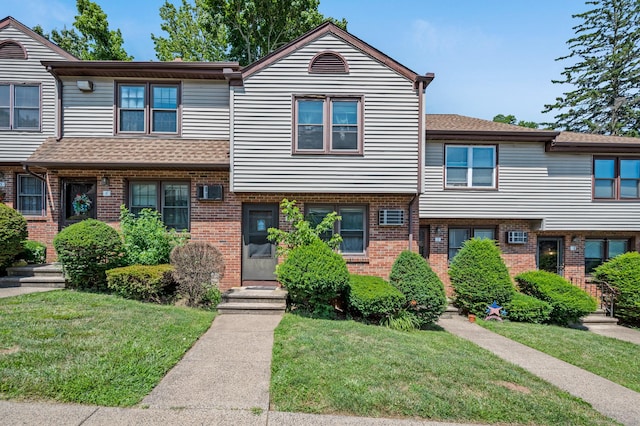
(602, 291)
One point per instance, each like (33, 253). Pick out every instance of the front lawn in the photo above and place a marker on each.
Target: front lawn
(89, 348)
(344, 367)
(612, 359)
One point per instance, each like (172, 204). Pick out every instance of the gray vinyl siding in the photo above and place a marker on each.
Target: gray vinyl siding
(554, 188)
(16, 146)
(205, 108)
(262, 133)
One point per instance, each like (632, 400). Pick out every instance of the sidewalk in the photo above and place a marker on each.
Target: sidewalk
(611, 399)
(17, 291)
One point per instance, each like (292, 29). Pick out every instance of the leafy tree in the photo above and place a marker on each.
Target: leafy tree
(90, 39)
(511, 119)
(194, 33)
(605, 71)
(238, 30)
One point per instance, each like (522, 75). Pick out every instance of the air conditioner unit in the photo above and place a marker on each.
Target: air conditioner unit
(517, 237)
(210, 192)
(390, 217)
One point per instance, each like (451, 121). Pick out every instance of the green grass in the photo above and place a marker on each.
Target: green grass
(344, 367)
(612, 359)
(88, 348)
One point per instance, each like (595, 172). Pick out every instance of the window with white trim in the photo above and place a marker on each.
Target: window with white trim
(470, 166)
(148, 108)
(30, 196)
(19, 106)
(352, 228)
(170, 198)
(328, 124)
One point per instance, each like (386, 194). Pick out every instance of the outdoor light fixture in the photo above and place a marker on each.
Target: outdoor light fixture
(104, 181)
(85, 85)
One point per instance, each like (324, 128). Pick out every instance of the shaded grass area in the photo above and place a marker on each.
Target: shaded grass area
(89, 348)
(344, 367)
(613, 359)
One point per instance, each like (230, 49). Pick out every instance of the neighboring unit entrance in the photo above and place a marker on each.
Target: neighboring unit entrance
(78, 201)
(258, 253)
(550, 255)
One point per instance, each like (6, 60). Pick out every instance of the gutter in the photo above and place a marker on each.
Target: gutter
(411, 203)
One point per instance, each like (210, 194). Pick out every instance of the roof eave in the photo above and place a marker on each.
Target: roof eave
(594, 147)
(474, 135)
(125, 165)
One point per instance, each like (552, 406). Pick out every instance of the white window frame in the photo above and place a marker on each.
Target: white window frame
(160, 197)
(19, 195)
(470, 167)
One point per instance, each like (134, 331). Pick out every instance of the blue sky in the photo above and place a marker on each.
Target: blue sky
(489, 56)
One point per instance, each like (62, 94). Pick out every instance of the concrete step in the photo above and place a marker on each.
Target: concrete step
(42, 270)
(253, 300)
(17, 281)
(450, 312)
(598, 317)
(252, 308)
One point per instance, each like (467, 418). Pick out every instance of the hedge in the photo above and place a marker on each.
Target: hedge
(147, 283)
(525, 308)
(569, 302)
(373, 298)
(623, 274)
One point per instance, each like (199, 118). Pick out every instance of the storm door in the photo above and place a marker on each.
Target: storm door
(551, 255)
(258, 253)
(78, 201)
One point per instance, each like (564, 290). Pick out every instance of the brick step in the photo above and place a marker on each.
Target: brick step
(17, 281)
(42, 270)
(252, 308)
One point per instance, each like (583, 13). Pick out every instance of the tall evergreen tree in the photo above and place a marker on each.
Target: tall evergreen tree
(605, 71)
(90, 38)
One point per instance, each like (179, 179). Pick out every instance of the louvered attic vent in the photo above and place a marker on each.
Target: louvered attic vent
(12, 50)
(390, 217)
(328, 63)
(210, 192)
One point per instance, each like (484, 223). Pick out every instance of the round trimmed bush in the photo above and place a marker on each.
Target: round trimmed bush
(424, 294)
(87, 250)
(373, 298)
(13, 230)
(569, 302)
(623, 274)
(479, 277)
(314, 276)
(525, 308)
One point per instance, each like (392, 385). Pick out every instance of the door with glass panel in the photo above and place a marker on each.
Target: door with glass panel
(259, 258)
(551, 255)
(78, 201)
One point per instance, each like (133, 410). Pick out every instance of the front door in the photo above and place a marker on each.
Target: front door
(551, 255)
(78, 201)
(259, 258)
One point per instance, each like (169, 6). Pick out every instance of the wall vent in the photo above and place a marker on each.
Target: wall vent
(10, 49)
(210, 192)
(390, 217)
(328, 63)
(517, 237)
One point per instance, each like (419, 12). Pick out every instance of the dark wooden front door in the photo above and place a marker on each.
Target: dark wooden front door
(259, 258)
(78, 201)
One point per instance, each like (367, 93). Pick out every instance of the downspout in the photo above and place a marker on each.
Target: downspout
(60, 117)
(44, 179)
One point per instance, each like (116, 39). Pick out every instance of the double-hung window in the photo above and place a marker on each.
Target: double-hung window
(352, 228)
(30, 196)
(616, 178)
(148, 108)
(599, 250)
(470, 166)
(457, 236)
(328, 124)
(171, 199)
(19, 106)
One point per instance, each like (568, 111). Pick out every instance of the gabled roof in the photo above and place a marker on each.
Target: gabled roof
(148, 69)
(330, 28)
(131, 153)
(463, 128)
(460, 127)
(10, 21)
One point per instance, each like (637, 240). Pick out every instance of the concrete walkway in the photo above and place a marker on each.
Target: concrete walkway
(611, 399)
(17, 291)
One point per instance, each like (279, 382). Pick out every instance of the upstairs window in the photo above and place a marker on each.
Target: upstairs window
(19, 106)
(328, 125)
(470, 166)
(148, 108)
(616, 178)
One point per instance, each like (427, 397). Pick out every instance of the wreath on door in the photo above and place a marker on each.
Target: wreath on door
(81, 204)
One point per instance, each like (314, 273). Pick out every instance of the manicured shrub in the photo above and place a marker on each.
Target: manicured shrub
(373, 298)
(86, 250)
(424, 294)
(147, 283)
(198, 267)
(146, 239)
(623, 274)
(314, 276)
(568, 301)
(525, 308)
(13, 230)
(479, 277)
(33, 252)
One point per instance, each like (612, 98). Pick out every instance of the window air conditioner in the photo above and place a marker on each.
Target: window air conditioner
(391, 217)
